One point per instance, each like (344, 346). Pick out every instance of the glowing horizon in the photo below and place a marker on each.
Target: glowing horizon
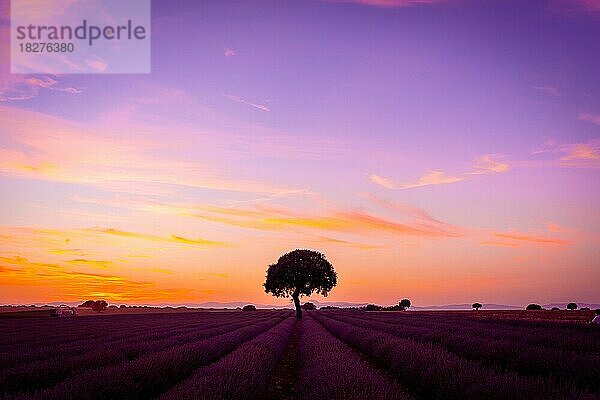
(447, 151)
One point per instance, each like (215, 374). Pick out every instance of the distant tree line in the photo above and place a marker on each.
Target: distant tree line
(403, 305)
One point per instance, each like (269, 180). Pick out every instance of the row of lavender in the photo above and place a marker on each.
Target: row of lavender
(529, 352)
(431, 372)
(135, 370)
(576, 337)
(111, 337)
(48, 371)
(328, 369)
(25, 332)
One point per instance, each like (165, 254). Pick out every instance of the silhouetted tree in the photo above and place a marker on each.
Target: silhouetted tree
(372, 307)
(404, 304)
(571, 306)
(99, 305)
(308, 306)
(533, 307)
(476, 306)
(300, 273)
(555, 309)
(87, 304)
(249, 307)
(585, 309)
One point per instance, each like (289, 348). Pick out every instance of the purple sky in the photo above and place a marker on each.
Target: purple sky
(445, 151)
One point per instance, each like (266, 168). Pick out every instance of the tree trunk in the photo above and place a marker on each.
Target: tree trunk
(298, 307)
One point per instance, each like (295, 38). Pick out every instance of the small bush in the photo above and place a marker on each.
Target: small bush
(534, 307)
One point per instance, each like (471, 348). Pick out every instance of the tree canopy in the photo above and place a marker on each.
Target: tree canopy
(299, 273)
(99, 305)
(533, 307)
(404, 304)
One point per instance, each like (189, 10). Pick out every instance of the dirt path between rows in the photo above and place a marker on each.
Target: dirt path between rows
(285, 377)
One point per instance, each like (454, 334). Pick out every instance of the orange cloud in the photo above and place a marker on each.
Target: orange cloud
(381, 181)
(102, 264)
(554, 228)
(330, 240)
(171, 239)
(581, 152)
(271, 218)
(532, 239)
(481, 166)
(67, 285)
(487, 165)
(428, 179)
(498, 243)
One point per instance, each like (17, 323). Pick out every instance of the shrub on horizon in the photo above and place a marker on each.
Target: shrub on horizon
(404, 304)
(534, 307)
(87, 304)
(99, 305)
(249, 307)
(572, 306)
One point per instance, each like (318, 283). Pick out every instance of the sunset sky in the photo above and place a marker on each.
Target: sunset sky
(447, 151)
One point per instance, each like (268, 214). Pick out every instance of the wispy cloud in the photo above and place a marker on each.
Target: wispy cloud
(481, 166)
(71, 152)
(154, 238)
(581, 152)
(574, 6)
(389, 3)
(531, 239)
(578, 155)
(325, 240)
(498, 243)
(428, 179)
(593, 118)
(229, 52)
(19, 87)
(487, 165)
(239, 99)
(102, 264)
(550, 90)
(269, 218)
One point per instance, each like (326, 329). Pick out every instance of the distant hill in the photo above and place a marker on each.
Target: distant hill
(467, 306)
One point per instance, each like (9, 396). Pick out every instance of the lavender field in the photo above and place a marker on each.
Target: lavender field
(332, 354)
